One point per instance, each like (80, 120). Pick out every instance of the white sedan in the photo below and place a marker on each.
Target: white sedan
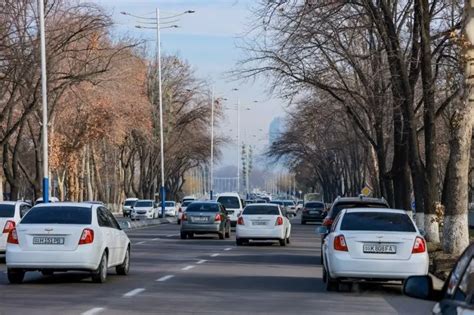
(263, 221)
(67, 236)
(372, 244)
(11, 213)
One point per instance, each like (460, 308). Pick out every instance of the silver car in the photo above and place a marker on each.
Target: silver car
(205, 217)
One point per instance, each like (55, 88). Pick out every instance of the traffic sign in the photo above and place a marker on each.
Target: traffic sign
(366, 191)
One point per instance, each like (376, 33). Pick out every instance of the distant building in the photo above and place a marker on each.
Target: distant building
(277, 127)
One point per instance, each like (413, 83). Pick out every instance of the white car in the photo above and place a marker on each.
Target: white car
(233, 205)
(144, 209)
(171, 209)
(10, 214)
(372, 244)
(263, 221)
(67, 236)
(182, 209)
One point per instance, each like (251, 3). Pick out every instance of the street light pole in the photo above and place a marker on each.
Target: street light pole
(238, 145)
(211, 184)
(160, 97)
(44, 90)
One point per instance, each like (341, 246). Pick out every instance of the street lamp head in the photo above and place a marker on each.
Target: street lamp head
(189, 11)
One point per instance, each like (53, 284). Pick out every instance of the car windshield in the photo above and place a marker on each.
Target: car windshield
(186, 203)
(58, 215)
(276, 202)
(288, 203)
(229, 202)
(202, 207)
(314, 205)
(262, 210)
(129, 202)
(350, 205)
(144, 203)
(7, 211)
(377, 221)
(169, 204)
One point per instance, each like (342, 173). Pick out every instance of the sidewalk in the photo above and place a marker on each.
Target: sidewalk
(128, 225)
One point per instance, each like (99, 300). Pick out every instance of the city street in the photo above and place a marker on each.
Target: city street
(205, 276)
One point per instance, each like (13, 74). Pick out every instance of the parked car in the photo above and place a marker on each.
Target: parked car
(233, 204)
(299, 205)
(313, 211)
(290, 206)
(263, 222)
(372, 244)
(182, 209)
(205, 217)
(457, 294)
(127, 207)
(67, 236)
(144, 209)
(171, 209)
(11, 213)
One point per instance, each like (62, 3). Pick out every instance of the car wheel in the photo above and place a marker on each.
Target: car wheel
(190, 235)
(331, 284)
(227, 234)
(100, 275)
(282, 242)
(288, 240)
(239, 242)
(124, 267)
(184, 235)
(221, 235)
(15, 276)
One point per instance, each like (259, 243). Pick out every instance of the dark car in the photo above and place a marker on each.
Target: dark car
(457, 294)
(205, 217)
(313, 211)
(352, 202)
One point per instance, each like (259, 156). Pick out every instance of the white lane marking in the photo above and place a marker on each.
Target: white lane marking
(228, 248)
(188, 268)
(201, 262)
(162, 279)
(155, 239)
(134, 292)
(93, 311)
(140, 243)
(215, 255)
(170, 235)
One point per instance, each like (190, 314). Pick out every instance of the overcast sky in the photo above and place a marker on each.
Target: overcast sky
(208, 40)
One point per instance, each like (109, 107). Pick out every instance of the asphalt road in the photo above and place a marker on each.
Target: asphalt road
(205, 276)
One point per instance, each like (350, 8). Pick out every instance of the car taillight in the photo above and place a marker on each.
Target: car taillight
(217, 218)
(9, 226)
(87, 237)
(327, 222)
(240, 221)
(279, 221)
(12, 237)
(340, 243)
(419, 246)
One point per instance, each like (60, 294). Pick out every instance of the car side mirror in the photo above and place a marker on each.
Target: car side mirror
(419, 287)
(322, 230)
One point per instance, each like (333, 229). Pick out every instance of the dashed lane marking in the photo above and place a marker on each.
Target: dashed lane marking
(140, 243)
(201, 262)
(228, 248)
(215, 255)
(163, 279)
(134, 292)
(187, 268)
(93, 311)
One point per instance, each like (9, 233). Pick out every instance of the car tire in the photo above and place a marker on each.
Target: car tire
(124, 267)
(100, 275)
(239, 242)
(282, 242)
(221, 235)
(331, 284)
(288, 240)
(190, 235)
(15, 276)
(227, 234)
(184, 235)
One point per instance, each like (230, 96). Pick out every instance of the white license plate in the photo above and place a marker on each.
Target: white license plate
(199, 219)
(259, 223)
(48, 240)
(379, 249)
(314, 212)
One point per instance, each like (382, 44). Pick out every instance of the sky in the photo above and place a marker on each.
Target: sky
(209, 39)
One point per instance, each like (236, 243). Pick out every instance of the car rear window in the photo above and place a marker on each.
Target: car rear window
(58, 215)
(7, 211)
(140, 204)
(130, 202)
(350, 205)
(314, 205)
(202, 207)
(377, 221)
(261, 210)
(229, 202)
(169, 204)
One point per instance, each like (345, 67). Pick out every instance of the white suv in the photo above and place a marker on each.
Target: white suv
(233, 204)
(144, 209)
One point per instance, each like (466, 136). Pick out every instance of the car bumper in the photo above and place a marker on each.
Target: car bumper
(200, 228)
(341, 265)
(262, 234)
(312, 218)
(170, 213)
(85, 257)
(142, 216)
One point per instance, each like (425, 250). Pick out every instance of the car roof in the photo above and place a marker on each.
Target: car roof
(229, 195)
(145, 200)
(264, 204)
(131, 199)
(387, 210)
(9, 202)
(66, 204)
(359, 200)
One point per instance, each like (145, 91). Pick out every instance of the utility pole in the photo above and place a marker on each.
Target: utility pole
(44, 90)
(211, 184)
